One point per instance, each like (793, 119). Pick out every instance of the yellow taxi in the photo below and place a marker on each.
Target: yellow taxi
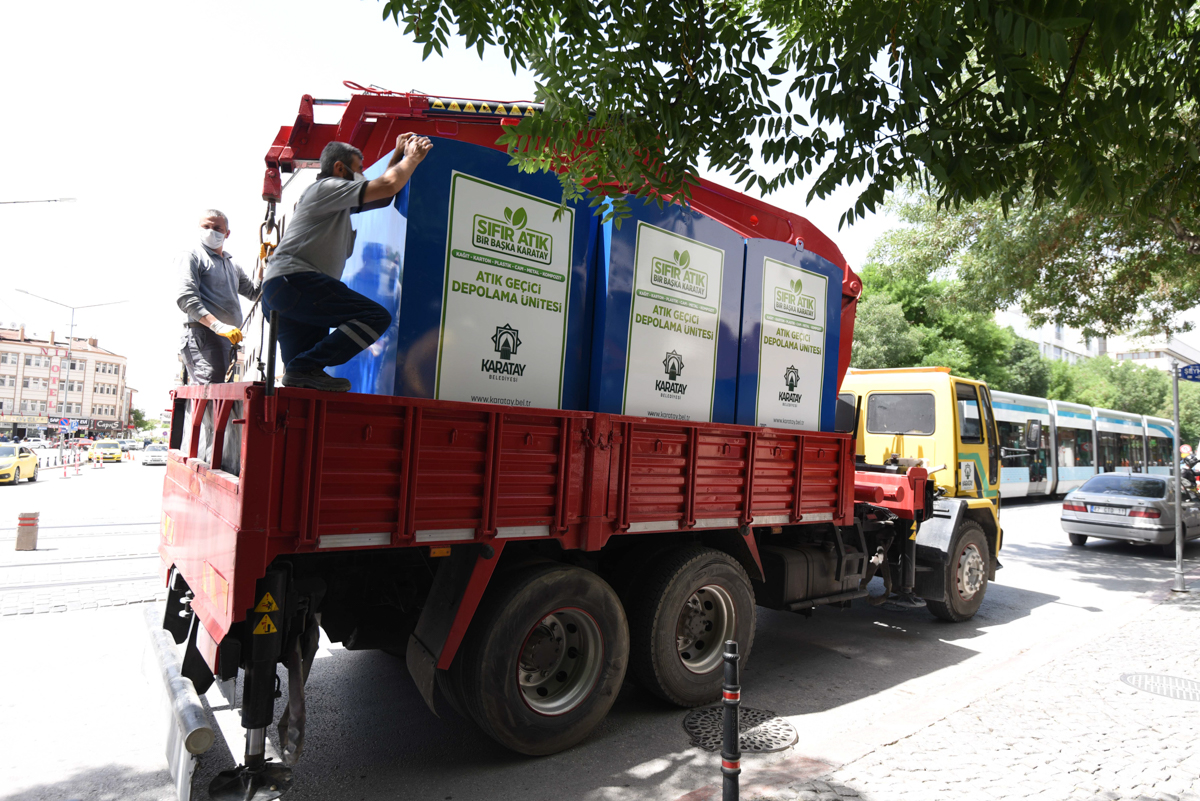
(104, 450)
(17, 462)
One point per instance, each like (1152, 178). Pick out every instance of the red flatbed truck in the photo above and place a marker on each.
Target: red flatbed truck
(523, 561)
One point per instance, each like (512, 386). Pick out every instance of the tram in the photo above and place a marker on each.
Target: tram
(1077, 443)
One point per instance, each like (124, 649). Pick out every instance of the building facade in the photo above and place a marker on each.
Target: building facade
(1153, 352)
(44, 381)
(1057, 342)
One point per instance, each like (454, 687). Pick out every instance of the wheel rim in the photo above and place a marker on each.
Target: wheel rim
(706, 621)
(971, 572)
(560, 661)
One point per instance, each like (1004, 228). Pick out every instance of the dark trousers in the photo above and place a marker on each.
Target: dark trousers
(309, 305)
(205, 355)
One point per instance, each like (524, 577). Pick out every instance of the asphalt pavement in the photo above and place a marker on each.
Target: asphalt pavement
(887, 704)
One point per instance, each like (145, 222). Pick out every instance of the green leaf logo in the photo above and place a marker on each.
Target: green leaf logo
(683, 258)
(519, 219)
(797, 285)
(508, 214)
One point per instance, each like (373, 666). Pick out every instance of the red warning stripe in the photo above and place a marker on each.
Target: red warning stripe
(735, 765)
(734, 696)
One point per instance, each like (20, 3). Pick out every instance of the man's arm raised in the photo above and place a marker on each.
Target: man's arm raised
(410, 151)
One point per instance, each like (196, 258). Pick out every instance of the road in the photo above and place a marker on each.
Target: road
(81, 720)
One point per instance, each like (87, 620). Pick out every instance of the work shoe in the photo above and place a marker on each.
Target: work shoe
(315, 379)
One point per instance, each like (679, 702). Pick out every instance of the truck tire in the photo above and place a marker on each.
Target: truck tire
(966, 575)
(691, 601)
(543, 662)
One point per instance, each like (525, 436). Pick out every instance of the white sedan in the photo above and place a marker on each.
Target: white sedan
(154, 454)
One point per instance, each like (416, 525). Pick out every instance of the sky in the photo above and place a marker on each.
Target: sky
(148, 113)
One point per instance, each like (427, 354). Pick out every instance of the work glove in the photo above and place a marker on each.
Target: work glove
(230, 332)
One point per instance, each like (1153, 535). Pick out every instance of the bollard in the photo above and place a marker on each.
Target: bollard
(27, 531)
(731, 750)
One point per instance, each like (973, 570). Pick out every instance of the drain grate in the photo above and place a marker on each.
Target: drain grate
(760, 731)
(1169, 686)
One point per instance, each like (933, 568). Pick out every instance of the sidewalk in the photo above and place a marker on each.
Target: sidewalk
(1070, 730)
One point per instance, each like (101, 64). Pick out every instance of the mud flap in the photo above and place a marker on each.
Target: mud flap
(457, 589)
(934, 538)
(299, 663)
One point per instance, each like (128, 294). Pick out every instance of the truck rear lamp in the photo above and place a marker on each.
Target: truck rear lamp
(1074, 507)
(439, 550)
(1152, 514)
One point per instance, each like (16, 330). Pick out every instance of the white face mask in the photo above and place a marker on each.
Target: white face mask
(212, 238)
(358, 176)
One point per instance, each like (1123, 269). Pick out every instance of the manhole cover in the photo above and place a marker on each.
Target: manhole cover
(760, 731)
(1170, 686)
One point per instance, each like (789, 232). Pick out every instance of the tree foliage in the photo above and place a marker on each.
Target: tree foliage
(1096, 271)
(139, 419)
(1088, 100)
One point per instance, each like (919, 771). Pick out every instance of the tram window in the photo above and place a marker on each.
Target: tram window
(1012, 436)
(970, 425)
(1109, 456)
(1160, 451)
(1132, 457)
(1074, 447)
(900, 413)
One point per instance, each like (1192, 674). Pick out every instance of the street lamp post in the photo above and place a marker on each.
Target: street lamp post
(70, 344)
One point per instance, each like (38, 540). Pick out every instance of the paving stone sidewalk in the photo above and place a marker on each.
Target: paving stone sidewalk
(1072, 730)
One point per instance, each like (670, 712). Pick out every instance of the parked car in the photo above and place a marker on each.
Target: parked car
(105, 450)
(155, 454)
(17, 462)
(36, 442)
(1131, 508)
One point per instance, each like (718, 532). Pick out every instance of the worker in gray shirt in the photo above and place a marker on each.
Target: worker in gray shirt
(210, 283)
(323, 322)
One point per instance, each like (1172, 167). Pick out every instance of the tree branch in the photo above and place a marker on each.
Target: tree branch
(1189, 238)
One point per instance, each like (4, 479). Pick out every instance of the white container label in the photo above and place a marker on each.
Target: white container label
(504, 304)
(671, 360)
(791, 347)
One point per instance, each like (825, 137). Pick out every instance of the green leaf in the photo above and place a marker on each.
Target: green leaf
(508, 214)
(684, 259)
(519, 219)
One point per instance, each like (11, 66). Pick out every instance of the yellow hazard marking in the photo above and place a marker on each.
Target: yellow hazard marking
(267, 604)
(500, 109)
(454, 106)
(484, 108)
(214, 585)
(438, 104)
(469, 107)
(265, 626)
(529, 111)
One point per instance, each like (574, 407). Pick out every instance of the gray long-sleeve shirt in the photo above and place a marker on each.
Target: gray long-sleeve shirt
(209, 283)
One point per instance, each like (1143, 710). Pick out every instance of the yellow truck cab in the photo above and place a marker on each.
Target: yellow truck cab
(928, 417)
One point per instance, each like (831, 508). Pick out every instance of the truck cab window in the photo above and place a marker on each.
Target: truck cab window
(970, 422)
(900, 413)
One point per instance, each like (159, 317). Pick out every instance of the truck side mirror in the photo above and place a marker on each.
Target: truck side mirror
(1033, 434)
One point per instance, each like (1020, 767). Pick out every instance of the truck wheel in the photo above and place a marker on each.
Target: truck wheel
(692, 600)
(1077, 539)
(543, 664)
(966, 575)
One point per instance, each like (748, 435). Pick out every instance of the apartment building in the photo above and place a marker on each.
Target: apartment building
(46, 379)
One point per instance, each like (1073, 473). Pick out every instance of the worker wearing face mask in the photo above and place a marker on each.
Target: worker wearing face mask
(210, 285)
(322, 322)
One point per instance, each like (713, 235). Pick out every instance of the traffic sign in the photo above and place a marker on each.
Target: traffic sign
(1190, 372)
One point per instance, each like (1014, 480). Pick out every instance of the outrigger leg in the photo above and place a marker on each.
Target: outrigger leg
(259, 779)
(906, 598)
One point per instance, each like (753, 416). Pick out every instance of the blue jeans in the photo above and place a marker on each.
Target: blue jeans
(309, 305)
